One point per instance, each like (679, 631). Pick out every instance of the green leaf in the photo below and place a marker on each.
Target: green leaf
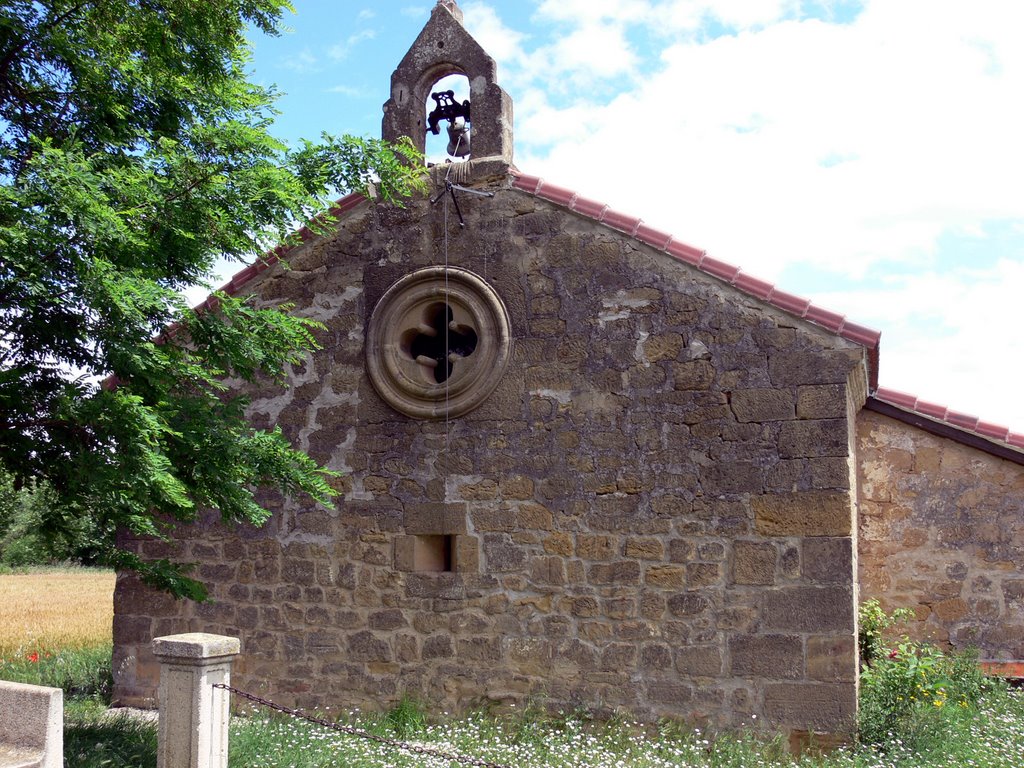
(136, 155)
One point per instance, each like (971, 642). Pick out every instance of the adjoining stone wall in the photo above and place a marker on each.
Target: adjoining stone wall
(941, 532)
(651, 512)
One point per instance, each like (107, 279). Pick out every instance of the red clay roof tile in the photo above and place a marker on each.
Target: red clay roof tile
(935, 410)
(902, 399)
(652, 236)
(861, 334)
(685, 252)
(953, 418)
(790, 302)
(831, 320)
(555, 194)
(526, 183)
(620, 221)
(962, 420)
(588, 207)
(719, 268)
(998, 431)
(753, 285)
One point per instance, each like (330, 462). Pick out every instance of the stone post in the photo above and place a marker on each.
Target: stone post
(194, 715)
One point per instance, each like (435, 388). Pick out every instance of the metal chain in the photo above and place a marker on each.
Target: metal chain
(352, 731)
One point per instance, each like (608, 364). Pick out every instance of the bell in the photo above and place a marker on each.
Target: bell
(458, 139)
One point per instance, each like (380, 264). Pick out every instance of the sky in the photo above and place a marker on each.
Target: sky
(865, 155)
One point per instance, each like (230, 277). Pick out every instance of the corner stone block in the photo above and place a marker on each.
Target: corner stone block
(779, 657)
(828, 560)
(819, 610)
(829, 708)
(760, 405)
(814, 438)
(816, 513)
(832, 658)
(193, 730)
(823, 401)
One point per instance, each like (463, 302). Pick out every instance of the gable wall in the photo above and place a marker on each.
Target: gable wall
(940, 532)
(653, 510)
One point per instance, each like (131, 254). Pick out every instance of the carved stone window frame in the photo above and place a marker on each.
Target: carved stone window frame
(400, 380)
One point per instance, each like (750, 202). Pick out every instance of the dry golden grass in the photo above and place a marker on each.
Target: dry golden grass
(56, 609)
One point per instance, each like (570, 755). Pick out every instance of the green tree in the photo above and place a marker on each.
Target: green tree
(134, 153)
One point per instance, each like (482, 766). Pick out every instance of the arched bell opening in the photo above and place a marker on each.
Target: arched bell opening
(443, 49)
(447, 120)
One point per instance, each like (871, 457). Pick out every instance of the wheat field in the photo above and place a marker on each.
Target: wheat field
(56, 609)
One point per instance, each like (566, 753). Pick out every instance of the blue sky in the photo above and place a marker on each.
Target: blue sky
(866, 155)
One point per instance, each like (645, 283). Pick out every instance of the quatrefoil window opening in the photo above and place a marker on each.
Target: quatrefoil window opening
(438, 342)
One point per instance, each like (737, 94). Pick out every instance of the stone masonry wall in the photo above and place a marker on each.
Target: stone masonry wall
(652, 512)
(941, 533)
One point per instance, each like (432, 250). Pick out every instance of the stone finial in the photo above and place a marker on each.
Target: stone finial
(452, 7)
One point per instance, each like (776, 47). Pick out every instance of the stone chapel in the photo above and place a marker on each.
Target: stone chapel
(583, 463)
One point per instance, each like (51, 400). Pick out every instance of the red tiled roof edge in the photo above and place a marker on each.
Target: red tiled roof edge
(665, 242)
(955, 419)
(274, 255)
(233, 286)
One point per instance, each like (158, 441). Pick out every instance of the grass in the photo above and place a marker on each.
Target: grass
(95, 739)
(991, 736)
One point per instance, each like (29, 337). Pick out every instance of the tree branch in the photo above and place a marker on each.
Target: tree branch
(8, 58)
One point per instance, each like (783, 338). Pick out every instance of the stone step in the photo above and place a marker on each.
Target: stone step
(19, 757)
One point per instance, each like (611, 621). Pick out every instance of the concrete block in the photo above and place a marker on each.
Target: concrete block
(31, 726)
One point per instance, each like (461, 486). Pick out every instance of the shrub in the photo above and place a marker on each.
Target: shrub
(872, 625)
(912, 691)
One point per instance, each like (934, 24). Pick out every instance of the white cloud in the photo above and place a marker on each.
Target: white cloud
(780, 142)
(971, 359)
(348, 90)
(341, 50)
(742, 134)
(585, 12)
(503, 43)
(304, 62)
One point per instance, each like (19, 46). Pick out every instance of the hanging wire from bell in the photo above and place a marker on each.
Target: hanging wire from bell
(458, 138)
